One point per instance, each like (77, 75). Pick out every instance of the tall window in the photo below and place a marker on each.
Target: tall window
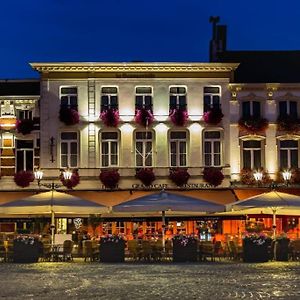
(251, 109)
(143, 98)
(109, 149)
(109, 98)
(177, 97)
(143, 149)
(24, 114)
(288, 108)
(212, 96)
(24, 159)
(69, 149)
(252, 154)
(212, 148)
(178, 148)
(288, 154)
(68, 97)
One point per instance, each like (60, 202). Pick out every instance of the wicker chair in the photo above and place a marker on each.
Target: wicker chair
(90, 250)
(67, 250)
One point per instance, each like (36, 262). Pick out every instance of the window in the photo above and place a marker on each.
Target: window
(177, 97)
(252, 154)
(143, 149)
(212, 148)
(288, 154)
(109, 98)
(288, 108)
(24, 114)
(212, 96)
(143, 98)
(120, 227)
(109, 149)
(24, 159)
(69, 150)
(178, 149)
(68, 97)
(251, 109)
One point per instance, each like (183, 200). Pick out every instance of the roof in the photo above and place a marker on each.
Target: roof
(19, 88)
(264, 66)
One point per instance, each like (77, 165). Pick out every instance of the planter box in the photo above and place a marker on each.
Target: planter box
(183, 253)
(281, 249)
(26, 253)
(253, 252)
(112, 251)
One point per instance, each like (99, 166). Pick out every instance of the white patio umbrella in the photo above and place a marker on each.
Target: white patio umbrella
(52, 203)
(268, 203)
(164, 202)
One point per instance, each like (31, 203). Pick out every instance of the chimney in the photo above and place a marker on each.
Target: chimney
(218, 41)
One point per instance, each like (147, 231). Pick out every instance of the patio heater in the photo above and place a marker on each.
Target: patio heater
(38, 174)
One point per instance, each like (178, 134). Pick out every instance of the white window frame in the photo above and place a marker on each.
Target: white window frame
(24, 150)
(211, 95)
(261, 148)
(68, 154)
(212, 145)
(288, 149)
(69, 95)
(109, 96)
(109, 155)
(177, 95)
(144, 153)
(144, 95)
(177, 142)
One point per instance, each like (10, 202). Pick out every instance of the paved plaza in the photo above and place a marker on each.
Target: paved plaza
(210, 280)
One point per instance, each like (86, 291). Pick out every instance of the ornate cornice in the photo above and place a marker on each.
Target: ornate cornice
(133, 67)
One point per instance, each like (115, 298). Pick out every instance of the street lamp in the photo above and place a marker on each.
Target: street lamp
(38, 174)
(258, 176)
(287, 176)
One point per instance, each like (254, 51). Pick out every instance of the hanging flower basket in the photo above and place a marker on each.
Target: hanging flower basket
(68, 116)
(24, 126)
(213, 176)
(110, 117)
(213, 116)
(72, 182)
(253, 125)
(146, 176)
(247, 177)
(179, 116)
(23, 178)
(179, 176)
(288, 123)
(109, 178)
(144, 117)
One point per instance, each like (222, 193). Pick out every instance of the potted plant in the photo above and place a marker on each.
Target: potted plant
(24, 126)
(110, 178)
(213, 176)
(288, 123)
(179, 176)
(146, 176)
(110, 117)
(253, 125)
(69, 116)
(23, 178)
(179, 116)
(144, 117)
(72, 182)
(26, 249)
(184, 248)
(112, 248)
(213, 116)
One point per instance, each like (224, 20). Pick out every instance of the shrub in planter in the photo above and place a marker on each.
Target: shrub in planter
(26, 249)
(213, 176)
(109, 178)
(72, 182)
(68, 116)
(144, 117)
(179, 176)
(23, 178)
(288, 123)
(184, 248)
(146, 176)
(112, 249)
(179, 116)
(253, 125)
(110, 117)
(24, 126)
(213, 116)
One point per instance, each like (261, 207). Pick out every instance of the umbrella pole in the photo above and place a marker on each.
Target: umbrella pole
(274, 223)
(52, 227)
(163, 215)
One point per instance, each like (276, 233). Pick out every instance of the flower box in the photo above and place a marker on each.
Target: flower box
(213, 116)
(184, 249)
(110, 117)
(144, 117)
(252, 125)
(112, 249)
(72, 182)
(213, 176)
(69, 116)
(110, 178)
(256, 249)
(179, 116)
(24, 126)
(179, 176)
(146, 176)
(23, 178)
(26, 250)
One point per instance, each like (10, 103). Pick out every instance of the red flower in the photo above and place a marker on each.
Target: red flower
(213, 176)
(72, 182)
(253, 125)
(179, 116)
(110, 117)
(23, 178)
(144, 117)
(24, 126)
(146, 176)
(109, 178)
(179, 176)
(68, 116)
(213, 116)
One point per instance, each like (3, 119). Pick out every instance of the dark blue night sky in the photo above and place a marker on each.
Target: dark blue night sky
(147, 30)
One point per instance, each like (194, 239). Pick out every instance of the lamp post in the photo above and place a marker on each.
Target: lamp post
(258, 176)
(38, 174)
(287, 174)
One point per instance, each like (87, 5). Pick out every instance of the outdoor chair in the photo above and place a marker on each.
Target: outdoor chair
(207, 250)
(46, 252)
(218, 250)
(67, 250)
(134, 249)
(235, 252)
(90, 251)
